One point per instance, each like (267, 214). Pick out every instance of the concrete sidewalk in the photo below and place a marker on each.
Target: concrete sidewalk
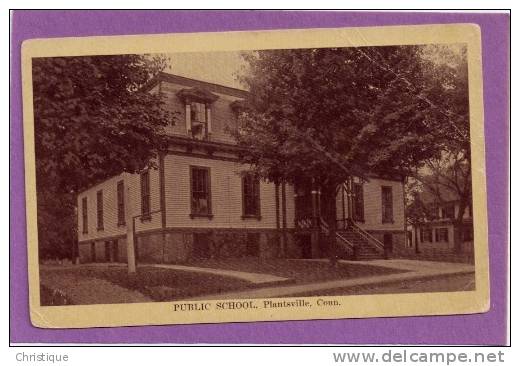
(417, 270)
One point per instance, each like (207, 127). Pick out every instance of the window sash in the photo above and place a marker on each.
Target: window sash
(99, 197)
(120, 203)
(358, 207)
(198, 112)
(426, 235)
(84, 209)
(251, 195)
(387, 204)
(145, 194)
(200, 191)
(441, 235)
(449, 211)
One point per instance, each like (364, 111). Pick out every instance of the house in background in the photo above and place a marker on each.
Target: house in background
(435, 237)
(201, 202)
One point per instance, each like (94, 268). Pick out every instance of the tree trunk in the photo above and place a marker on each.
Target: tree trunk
(329, 204)
(75, 243)
(415, 229)
(277, 203)
(457, 227)
(284, 221)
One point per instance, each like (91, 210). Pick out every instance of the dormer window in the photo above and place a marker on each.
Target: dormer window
(198, 111)
(198, 120)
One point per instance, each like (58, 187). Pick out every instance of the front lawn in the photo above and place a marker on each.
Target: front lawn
(154, 284)
(112, 284)
(301, 271)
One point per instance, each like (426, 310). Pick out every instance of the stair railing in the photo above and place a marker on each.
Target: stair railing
(370, 238)
(325, 228)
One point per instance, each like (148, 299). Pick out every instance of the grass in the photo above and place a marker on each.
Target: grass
(49, 297)
(113, 284)
(155, 283)
(300, 271)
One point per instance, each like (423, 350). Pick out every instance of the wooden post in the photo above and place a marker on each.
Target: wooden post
(416, 229)
(130, 231)
(284, 222)
(314, 199)
(277, 202)
(75, 244)
(350, 189)
(315, 234)
(343, 205)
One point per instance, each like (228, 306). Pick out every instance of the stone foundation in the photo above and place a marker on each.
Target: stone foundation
(177, 246)
(397, 243)
(103, 250)
(181, 246)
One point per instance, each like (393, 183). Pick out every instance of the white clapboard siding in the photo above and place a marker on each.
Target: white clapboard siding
(226, 196)
(373, 209)
(110, 227)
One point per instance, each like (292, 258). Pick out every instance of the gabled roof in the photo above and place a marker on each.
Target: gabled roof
(193, 83)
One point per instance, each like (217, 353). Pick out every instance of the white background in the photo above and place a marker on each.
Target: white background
(228, 356)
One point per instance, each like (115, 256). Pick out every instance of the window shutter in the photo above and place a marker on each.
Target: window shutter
(188, 117)
(208, 118)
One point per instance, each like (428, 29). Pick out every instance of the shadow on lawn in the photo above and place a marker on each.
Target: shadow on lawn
(156, 283)
(161, 284)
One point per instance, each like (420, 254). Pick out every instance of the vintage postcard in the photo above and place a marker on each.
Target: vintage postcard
(255, 176)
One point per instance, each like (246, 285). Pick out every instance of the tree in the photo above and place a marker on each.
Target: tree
(417, 211)
(450, 169)
(93, 119)
(327, 114)
(450, 176)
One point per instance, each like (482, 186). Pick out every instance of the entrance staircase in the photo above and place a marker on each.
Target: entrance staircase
(356, 243)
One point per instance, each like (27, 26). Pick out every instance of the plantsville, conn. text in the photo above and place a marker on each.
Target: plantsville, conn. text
(253, 304)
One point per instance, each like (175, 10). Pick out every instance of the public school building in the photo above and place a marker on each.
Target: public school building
(200, 201)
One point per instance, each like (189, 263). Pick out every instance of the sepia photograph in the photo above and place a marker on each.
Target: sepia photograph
(301, 181)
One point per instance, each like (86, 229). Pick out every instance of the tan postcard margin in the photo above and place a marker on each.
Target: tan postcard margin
(355, 306)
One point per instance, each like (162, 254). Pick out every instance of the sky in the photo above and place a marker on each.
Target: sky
(223, 67)
(215, 67)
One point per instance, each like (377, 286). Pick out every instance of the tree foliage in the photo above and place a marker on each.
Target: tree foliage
(92, 120)
(334, 112)
(330, 113)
